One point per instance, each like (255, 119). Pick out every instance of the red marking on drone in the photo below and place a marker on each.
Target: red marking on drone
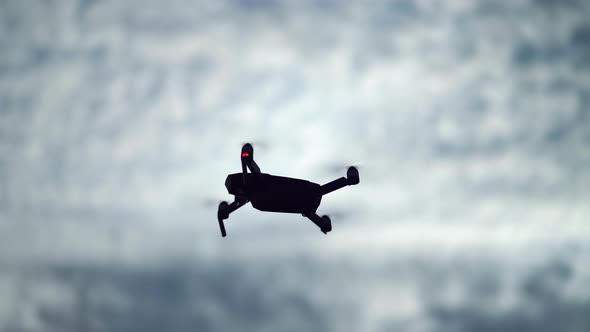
(245, 154)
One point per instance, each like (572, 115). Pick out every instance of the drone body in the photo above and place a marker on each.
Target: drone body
(277, 193)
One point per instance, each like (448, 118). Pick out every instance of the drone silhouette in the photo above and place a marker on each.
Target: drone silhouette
(277, 193)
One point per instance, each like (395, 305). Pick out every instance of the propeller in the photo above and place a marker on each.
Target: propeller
(343, 214)
(210, 202)
(340, 214)
(339, 169)
(258, 144)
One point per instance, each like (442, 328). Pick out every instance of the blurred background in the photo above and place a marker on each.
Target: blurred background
(469, 121)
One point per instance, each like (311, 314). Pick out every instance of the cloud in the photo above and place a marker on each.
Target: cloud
(148, 95)
(433, 287)
(468, 121)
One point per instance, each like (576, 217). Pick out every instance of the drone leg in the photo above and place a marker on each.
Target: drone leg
(323, 223)
(224, 210)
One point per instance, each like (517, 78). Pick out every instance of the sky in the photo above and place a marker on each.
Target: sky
(469, 122)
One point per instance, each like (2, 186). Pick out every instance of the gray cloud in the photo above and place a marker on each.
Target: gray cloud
(420, 290)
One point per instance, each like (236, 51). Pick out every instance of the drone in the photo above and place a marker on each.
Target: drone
(273, 193)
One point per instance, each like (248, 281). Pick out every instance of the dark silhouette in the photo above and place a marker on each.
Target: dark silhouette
(277, 193)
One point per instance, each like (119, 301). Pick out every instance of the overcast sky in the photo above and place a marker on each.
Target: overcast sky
(469, 120)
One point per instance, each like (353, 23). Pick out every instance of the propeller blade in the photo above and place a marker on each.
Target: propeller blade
(339, 169)
(209, 202)
(258, 144)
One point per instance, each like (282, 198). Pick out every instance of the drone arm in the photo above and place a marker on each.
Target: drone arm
(251, 165)
(236, 204)
(334, 185)
(248, 161)
(254, 167)
(244, 171)
(352, 178)
(224, 210)
(322, 222)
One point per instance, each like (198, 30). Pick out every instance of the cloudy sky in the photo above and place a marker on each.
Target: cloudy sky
(470, 121)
